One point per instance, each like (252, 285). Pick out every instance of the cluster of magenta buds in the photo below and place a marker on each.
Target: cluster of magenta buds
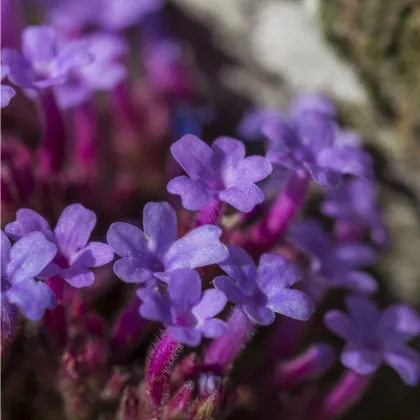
(150, 271)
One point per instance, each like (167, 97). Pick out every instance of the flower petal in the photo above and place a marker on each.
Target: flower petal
(128, 241)
(6, 94)
(243, 197)
(355, 254)
(9, 318)
(276, 272)
(195, 157)
(132, 270)
(159, 223)
(78, 276)
(187, 336)
(211, 303)
(399, 322)
(230, 289)
(94, 254)
(228, 153)
(155, 307)
(291, 303)
(259, 314)
(252, 169)
(340, 324)
(360, 359)
(184, 288)
(324, 176)
(406, 362)
(29, 256)
(197, 248)
(32, 297)
(5, 248)
(28, 221)
(363, 310)
(357, 281)
(21, 72)
(195, 195)
(310, 238)
(214, 328)
(74, 228)
(240, 266)
(39, 44)
(347, 160)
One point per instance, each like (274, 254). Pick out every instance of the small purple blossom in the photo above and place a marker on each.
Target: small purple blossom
(218, 172)
(7, 92)
(46, 60)
(75, 256)
(186, 310)
(104, 73)
(263, 291)
(374, 337)
(333, 265)
(20, 264)
(110, 15)
(309, 141)
(250, 126)
(157, 250)
(355, 203)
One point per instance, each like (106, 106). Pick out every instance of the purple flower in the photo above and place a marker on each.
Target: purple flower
(355, 202)
(333, 265)
(75, 256)
(374, 337)
(156, 250)
(104, 73)
(45, 60)
(309, 141)
(250, 126)
(7, 92)
(264, 290)
(112, 15)
(217, 172)
(20, 265)
(186, 310)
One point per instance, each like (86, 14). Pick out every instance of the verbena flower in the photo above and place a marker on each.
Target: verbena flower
(374, 337)
(307, 141)
(76, 256)
(6, 92)
(104, 73)
(45, 59)
(186, 310)
(111, 15)
(20, 264)
(250, 126)
(157, 250)
(218, 172)
(261, 292)
(333, 265)
(355, 202)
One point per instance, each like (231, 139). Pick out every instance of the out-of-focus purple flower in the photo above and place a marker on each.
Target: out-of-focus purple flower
(250, 127)
(45, 60)
(218, 172)
(111, 15)
(7, 92)
(307, 141)
(157, 250)
(264, 291)
(355, 202)
(75, 256)
(20, 265)
(164, 62)
(186, 310)
(333, 265)
(374, 337)
(105, 72)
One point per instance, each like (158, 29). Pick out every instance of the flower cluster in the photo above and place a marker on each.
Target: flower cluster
(209, 282)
